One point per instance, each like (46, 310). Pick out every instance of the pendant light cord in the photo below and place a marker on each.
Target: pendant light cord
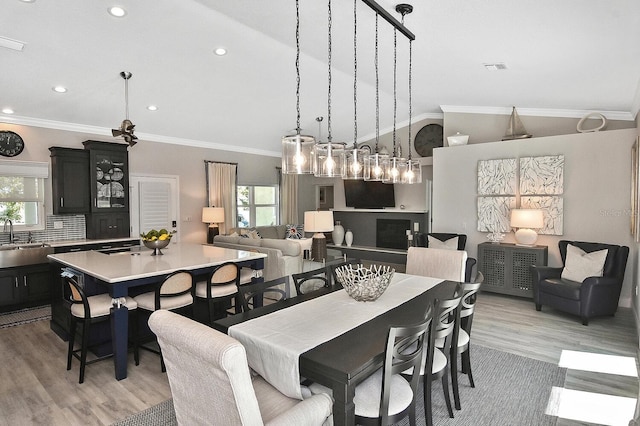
(395, 86)
(410, 65)
(126, 97)
(298, 66)
(355, 74)
(329, 84)
(377, 89)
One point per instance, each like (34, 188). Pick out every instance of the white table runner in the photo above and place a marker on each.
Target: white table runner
(275, 341)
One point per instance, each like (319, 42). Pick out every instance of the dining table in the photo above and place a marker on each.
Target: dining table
(118, 271)
(327, 337)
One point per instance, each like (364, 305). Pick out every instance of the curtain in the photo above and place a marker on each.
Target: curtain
(222, 191)
(289, 198)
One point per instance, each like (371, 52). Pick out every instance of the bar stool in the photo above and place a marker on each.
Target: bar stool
(221, 286)
(174, 293)
(89, 310)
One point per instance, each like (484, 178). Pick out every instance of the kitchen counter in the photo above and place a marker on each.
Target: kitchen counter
(139, 263)
(64, 243)
(121, 270)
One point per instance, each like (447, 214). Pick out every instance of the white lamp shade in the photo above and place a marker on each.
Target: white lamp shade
(213, 214)
(527, 218)
(318, 221)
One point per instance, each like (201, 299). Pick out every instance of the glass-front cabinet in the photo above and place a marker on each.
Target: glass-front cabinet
(109, 172)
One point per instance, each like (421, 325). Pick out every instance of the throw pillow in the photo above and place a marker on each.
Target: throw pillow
(249, 233)
(580, 265)
(294, 232)
(450, 244)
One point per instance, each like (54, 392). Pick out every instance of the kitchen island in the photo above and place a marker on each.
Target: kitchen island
(116, 272)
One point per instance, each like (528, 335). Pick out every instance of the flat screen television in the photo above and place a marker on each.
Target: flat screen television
(362, 194)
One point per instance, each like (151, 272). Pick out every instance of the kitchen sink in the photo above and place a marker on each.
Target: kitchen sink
(12, 255)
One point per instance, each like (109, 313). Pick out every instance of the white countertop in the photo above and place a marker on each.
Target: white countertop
(139, 263)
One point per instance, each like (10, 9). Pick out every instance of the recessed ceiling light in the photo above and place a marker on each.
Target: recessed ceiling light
(7, 111)
(60, 89)
(220, 51)
(496, 66)
(117, 11)
(28, 1)
(152, 108)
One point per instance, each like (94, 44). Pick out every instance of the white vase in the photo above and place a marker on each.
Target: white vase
(338, 234)
(348, 237)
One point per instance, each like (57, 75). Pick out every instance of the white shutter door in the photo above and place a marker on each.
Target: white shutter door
(155, 206)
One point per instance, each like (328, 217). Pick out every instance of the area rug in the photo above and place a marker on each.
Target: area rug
(25, 316)
(510, 390)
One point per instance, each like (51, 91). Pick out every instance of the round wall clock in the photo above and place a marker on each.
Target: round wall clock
(429, 137)
(11, 144)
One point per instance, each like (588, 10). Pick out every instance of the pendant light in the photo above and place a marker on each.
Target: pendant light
(412, 170)
(373, 170)
(329, 156)
(297, 149)
(354, 158)
(391, 166)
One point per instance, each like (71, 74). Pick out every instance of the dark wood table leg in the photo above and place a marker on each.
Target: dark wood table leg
(119, 337)
(344, 410)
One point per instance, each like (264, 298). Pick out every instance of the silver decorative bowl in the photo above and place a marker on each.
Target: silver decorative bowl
(365, 284)
(156, 246)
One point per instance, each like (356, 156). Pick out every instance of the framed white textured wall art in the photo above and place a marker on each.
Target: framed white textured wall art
(497, 177)
(552, 209)
(493, 213)
(542, 175)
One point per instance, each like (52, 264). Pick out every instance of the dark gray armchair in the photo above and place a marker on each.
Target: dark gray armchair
(595, 296)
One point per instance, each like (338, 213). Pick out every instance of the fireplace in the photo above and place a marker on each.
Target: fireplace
(392, 233)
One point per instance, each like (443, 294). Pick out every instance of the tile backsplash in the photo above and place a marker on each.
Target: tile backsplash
(73, 228)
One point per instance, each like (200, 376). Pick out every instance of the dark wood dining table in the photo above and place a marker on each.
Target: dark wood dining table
(348, 359)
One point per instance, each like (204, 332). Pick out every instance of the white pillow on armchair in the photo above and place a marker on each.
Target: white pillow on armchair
(580, 265)
(450, 244)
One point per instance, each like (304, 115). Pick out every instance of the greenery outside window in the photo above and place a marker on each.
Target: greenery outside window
(22, 194)
(257, 205)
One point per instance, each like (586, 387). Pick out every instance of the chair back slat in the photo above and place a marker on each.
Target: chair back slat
(309, 281)
(272, 287)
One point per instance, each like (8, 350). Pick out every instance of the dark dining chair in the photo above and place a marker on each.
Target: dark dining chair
(88, 310)
(386, 397)
(309, 281)
(274, 289)
(461, 345)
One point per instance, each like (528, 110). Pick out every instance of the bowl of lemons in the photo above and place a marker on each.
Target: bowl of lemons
(156, 240)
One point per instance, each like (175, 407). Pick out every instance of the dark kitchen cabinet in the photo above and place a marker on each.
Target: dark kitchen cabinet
(109, 176)
(70, 180)
(25, 286)
(107, 225)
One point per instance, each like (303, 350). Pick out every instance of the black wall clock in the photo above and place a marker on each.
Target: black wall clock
(429, 137)
(11, 144)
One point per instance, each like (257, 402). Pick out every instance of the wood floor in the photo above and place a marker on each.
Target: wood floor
(35, 387)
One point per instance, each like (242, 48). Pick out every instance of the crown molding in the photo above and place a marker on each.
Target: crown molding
(401, 124)
(102, 131)
(538, 112)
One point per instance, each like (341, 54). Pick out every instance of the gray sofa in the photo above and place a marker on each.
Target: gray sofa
(284, 257)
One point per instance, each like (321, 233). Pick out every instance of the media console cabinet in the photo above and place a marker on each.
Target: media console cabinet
(507, 267)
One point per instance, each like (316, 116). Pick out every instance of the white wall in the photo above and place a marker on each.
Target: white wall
(157, 158)
(597, 188)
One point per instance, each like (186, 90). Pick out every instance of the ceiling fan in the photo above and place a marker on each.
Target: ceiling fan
(127, 127)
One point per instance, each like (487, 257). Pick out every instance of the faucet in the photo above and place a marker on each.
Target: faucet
(11, 237)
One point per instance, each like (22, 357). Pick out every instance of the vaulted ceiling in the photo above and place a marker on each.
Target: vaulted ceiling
(565, 57)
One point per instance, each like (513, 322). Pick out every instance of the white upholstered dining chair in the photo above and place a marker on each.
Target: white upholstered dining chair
(437, 263)
(211, 383)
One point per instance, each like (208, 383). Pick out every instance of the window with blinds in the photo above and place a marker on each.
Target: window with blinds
(155, 205)
(22, 193)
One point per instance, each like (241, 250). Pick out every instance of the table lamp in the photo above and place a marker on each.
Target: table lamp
(318, 222)
(213, 216)
(526, 220)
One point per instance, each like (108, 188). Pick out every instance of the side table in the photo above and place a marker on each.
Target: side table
(507, 267)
